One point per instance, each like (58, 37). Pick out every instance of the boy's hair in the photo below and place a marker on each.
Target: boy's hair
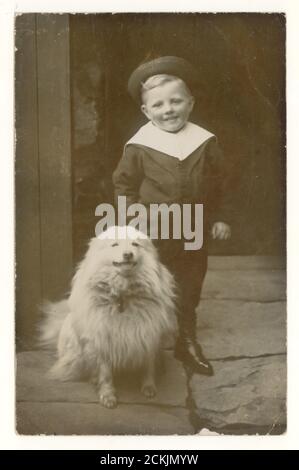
(160, 79)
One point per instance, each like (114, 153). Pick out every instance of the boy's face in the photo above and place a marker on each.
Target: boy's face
(168, 106)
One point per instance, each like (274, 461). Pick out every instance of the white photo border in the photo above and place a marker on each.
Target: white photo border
(8, 437)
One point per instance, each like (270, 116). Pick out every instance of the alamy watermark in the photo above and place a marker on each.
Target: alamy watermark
(157, 221)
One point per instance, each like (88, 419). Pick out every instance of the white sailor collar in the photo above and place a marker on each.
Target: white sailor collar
(180, 144)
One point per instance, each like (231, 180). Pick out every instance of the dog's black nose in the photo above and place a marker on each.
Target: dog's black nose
(127, 255)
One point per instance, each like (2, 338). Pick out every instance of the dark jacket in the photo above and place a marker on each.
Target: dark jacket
(147, 176)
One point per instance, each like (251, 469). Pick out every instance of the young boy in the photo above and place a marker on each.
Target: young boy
(171, 160)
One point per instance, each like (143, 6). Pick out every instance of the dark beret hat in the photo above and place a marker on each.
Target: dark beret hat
(170, 65)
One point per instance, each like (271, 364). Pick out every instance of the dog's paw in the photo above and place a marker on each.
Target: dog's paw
(108, 400)
(149, 391)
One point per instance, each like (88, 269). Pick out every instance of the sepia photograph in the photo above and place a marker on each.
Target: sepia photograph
(150, 224)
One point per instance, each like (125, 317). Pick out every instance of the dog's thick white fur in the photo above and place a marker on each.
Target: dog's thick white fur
(121, 305)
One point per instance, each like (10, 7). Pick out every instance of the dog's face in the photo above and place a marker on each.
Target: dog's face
(124, 255)
(122, 248)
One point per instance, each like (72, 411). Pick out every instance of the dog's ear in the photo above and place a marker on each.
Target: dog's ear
(96, 244)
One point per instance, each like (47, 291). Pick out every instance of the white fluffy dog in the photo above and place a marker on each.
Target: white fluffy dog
(122, 304)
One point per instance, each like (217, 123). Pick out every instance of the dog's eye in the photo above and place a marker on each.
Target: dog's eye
(135, 244)
(114, 244)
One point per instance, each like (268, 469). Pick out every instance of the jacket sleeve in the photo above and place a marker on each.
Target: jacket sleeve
(128, 175)
(220, 194)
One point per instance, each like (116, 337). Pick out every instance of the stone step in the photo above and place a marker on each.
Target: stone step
(242, 395)
(33, 384)
(257, 286)
(246, 263)
(235, 328)
(92, 419)
(46, 406)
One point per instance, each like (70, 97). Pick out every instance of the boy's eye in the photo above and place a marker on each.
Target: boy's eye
(114, 244)
(157, 105)
(177, 101)
(135, 244)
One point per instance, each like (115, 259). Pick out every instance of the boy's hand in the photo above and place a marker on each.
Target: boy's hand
(221, 231)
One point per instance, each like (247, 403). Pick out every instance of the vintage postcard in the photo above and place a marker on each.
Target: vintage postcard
(150, 223)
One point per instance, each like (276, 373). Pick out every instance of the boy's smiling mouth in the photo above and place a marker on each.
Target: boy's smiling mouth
(171, 118)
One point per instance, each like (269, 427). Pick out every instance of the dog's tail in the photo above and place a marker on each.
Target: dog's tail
(54, 315)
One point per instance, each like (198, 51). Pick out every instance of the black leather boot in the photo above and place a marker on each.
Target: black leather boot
(190, 353)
